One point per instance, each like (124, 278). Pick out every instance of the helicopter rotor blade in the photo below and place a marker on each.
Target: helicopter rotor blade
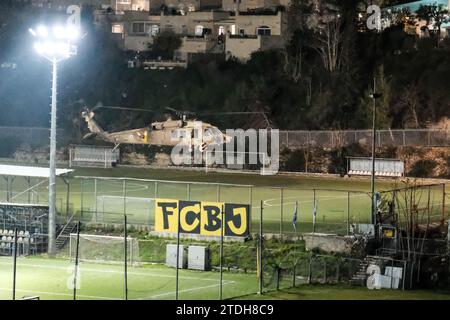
(232, 113)
(122, 108)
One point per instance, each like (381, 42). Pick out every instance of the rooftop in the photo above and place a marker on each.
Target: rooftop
(27, 171)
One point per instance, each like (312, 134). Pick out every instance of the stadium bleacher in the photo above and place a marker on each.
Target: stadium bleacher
(31, 221)
(7, 239)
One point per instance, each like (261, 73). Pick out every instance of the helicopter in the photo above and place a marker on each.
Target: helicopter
(182, 131)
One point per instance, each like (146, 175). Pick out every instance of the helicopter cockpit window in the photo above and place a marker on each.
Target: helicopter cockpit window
(178, 134)
(208, 133)
(216, 131)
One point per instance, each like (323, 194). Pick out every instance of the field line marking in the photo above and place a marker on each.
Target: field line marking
(267, 202)
(187, 290)
(61, 294)
(111, 271)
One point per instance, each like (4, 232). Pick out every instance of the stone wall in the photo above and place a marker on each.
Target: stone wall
(348, 245)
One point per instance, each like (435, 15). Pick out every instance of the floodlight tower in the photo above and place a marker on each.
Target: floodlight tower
(55, 44)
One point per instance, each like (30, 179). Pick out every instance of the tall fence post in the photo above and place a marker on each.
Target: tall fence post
(15, 264)
(278, 277)
(250, 196)
(95, 199)
(77, 253)
(404, 275)
(309, 268)
(81, 197)
(443, 203)
(314, 203)
(124, 195)
(188, 191)
(260, 246)
(294, 270)
(281, 212)
(348, 212)
(178, 259)
(222, 228)
(126, 255)
(338, 277)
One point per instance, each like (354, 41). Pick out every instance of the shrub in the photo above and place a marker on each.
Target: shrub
(423, 168)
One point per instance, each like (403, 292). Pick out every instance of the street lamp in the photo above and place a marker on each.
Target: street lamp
(55, 44)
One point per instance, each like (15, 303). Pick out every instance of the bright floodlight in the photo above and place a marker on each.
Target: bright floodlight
(73, 33)
(39, 47)
(56, 42)
(69, 32)
(51, 48)
(42, 31)
(59, 32)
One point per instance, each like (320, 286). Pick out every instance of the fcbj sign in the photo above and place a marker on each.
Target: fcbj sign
(204, 218)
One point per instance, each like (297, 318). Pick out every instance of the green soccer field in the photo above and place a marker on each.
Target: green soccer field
(339, 200)
(52, 279)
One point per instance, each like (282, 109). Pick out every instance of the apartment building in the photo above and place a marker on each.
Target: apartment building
(121, 6)
(204, 26)
(63, 4)
(249, 5)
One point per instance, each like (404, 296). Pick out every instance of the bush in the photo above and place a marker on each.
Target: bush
(423, 168)
(295, 160)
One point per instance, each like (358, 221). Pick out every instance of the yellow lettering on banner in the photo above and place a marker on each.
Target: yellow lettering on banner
(237, 231)
(211, 218)
(166, 215)
(184, 211)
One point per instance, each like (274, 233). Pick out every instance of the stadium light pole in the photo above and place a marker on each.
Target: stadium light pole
(375, 95)
(55, 45)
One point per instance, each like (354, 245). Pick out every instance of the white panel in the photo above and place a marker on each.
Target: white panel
(24, 171)
(171, 256)
(198, 258)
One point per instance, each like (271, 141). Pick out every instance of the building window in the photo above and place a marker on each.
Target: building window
(221, 30)
(199, 30)
(168, 28)
(184, 29)
(154, 29)
(117, 28)
(123, 1)
(233, 29)
(138, 27)
(263, 31)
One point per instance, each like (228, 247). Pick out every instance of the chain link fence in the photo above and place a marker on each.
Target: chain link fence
(14, 137)
(394, 137)
(106, 200)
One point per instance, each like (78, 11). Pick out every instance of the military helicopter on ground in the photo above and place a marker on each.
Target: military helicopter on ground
(194, 133)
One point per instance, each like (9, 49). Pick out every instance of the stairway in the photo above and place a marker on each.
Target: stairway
(64, 235)
(359, 278)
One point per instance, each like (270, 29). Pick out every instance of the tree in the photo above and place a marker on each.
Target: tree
(165, 44)
(326, 25)
(296, 39)
(434, 16)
